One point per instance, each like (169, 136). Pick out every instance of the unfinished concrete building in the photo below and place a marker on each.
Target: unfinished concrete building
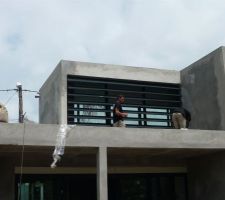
(147, 160)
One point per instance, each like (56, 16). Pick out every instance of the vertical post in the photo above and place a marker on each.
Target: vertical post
(107, 107)
(20, 95)
(102, 174)
(144, 108)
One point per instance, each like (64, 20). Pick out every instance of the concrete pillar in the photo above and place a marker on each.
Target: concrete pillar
(102, 174)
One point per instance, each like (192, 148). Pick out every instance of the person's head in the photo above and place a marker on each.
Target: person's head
(121, 99)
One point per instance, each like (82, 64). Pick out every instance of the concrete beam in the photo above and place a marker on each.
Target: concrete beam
(81, 136)
(119, 72)
(102, 174)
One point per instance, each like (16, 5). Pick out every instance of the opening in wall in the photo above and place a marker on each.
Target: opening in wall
(148, 104)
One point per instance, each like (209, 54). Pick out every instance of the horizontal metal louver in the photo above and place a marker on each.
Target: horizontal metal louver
(149, 104)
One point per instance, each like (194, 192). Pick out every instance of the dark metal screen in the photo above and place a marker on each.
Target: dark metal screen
(149, 104)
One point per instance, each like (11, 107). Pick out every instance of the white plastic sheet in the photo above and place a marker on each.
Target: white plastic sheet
(62, 134)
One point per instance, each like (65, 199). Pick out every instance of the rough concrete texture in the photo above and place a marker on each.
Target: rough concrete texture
(80, 136)
(50, 99)
(206, 177)
(203, 93)
(102, 174)
(120, 72)
(53, 94)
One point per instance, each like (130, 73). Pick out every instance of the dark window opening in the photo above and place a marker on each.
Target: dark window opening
(84, 187)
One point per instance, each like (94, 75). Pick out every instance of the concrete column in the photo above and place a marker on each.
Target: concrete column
(102, 174)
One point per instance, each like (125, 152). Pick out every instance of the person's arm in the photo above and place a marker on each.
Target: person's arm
(120, 114)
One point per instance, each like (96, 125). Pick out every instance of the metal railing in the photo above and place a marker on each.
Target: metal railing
(148, 104)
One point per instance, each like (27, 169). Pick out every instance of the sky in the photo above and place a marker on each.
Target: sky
(36, 34)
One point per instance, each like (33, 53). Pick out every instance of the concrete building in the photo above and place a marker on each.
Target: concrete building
(147, 160)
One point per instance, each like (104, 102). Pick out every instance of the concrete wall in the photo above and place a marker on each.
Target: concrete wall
(206, 177)
(120, 72)
(53, 94)
(203, 91)
(50, 99)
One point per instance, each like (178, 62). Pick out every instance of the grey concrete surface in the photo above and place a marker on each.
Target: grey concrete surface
(206, 177)
(203, 93)
(81, 136)
(50, 98)
(120, 72)
(102, 174)
(53, 94)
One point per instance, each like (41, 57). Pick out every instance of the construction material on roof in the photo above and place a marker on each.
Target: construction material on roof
(3, 113)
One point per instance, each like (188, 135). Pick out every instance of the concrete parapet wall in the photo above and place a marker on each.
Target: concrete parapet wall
(81, 136)
(203, 93)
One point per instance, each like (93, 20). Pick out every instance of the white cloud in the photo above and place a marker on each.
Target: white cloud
(35, 35)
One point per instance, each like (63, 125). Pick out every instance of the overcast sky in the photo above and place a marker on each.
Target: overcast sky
(36, 34)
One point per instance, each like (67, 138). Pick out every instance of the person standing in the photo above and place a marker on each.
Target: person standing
(118, 114)
(181, 118)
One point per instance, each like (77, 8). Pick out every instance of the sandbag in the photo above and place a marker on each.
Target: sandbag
(3, 114)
